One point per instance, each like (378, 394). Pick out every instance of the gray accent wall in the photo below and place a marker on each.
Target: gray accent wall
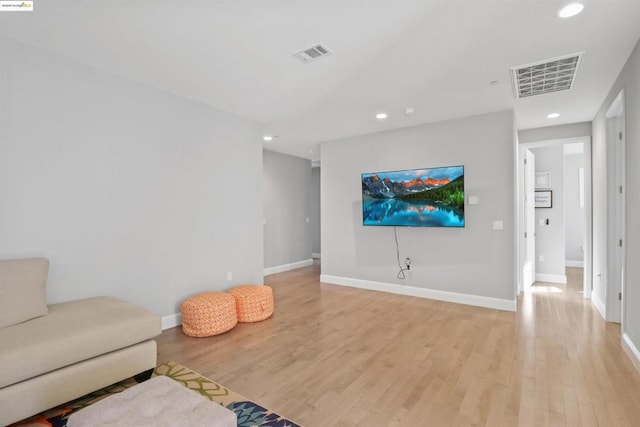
(629, 81)
(315, 210)
(287, 205)
(130, 191)
(474, 260)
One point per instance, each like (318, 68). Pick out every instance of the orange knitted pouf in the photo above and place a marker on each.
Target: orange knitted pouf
(207, 314)
(253, 302)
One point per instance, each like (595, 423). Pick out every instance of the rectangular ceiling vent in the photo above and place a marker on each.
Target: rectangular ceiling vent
(312, 53)
(550, 75)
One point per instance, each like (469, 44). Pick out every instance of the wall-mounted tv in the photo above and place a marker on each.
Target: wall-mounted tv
(414, 198)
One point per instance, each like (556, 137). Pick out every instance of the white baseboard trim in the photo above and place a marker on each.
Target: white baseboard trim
(551, 278)
(631, 350)
(576, 264)
(595, 299)
(171, 321)
(315, 255)
(475, 300)
(287, 267)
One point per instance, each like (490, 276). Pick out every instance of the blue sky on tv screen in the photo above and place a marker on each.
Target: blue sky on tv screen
(451, 173)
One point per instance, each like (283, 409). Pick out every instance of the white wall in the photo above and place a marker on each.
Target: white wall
(574, 214)
(287, 205)
(130, 191)
(475, 260)
(629, 81)
(315, 210)
(550, 237)
(549, 133)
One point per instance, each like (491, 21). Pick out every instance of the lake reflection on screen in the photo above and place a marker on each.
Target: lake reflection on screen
(410, 213)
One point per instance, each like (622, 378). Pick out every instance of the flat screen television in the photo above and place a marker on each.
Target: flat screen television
(414, 198)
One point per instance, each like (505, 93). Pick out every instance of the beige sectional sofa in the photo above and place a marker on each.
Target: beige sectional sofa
(52, 354)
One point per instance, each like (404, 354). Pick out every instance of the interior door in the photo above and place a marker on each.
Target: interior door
(618, 280)
(614, 285)
(529, 265)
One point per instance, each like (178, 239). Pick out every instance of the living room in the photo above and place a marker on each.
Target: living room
(132, 150)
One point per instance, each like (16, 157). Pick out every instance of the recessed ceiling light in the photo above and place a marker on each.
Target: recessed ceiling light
(570, 10)
(268, 138)
(381, 116)
(553, 116)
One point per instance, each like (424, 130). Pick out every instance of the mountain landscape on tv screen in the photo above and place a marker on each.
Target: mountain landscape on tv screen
(418, 197)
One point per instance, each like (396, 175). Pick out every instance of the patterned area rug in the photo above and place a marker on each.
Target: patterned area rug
(249, 413)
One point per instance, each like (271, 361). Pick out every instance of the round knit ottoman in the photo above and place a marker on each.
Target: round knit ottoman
(253, 302)
(207, 314)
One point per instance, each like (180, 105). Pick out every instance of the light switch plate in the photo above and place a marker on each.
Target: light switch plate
(498, 225)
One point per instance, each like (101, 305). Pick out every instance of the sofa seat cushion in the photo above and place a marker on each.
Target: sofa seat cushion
(72, 332)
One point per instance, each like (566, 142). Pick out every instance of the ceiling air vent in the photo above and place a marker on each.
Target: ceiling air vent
(312, 53)
(550, 75)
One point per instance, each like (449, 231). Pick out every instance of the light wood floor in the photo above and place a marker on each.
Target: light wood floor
(336, 356)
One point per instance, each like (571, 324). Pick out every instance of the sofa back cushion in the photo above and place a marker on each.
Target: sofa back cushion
(23, 293)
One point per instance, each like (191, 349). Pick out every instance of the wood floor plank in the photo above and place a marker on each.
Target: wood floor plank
(338, 356)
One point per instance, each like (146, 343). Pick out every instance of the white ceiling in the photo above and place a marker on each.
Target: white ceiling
(436, 56)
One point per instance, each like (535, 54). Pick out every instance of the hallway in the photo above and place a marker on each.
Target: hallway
(574, 358)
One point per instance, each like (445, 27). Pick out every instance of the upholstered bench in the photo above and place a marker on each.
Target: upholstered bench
(208, 314)
(253, 302)
(51, 354)
(159, 401)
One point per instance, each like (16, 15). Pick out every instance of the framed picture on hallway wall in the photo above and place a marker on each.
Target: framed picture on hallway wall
(543, 199)
(543, 180)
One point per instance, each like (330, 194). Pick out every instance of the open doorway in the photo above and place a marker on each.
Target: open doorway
(542, 226)
(574, 205)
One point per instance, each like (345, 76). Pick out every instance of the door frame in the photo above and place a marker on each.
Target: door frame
(588, 223)
(529, 238)
(615, 254)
